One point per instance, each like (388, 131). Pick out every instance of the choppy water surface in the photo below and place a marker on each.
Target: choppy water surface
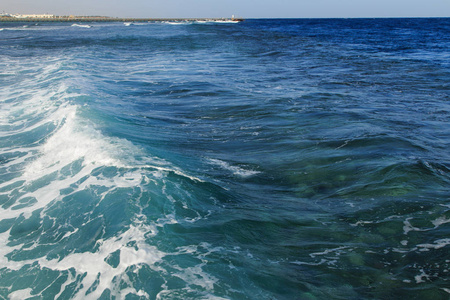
(268, 159)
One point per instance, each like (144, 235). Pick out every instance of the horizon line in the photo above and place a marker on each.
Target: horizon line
(4, 14)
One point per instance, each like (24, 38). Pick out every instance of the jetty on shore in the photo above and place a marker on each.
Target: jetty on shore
(36, 18)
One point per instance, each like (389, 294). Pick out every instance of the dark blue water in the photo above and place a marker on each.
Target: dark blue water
(267, 159)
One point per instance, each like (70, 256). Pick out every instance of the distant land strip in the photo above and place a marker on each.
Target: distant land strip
(110, 19)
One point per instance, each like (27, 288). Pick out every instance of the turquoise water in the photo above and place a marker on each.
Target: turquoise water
(267, 159)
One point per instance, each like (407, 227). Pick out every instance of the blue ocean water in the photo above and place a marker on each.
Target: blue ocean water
(267, 159)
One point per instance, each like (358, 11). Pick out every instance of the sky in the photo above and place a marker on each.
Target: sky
(226, 8)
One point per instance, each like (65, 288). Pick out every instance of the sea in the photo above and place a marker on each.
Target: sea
(264, 159)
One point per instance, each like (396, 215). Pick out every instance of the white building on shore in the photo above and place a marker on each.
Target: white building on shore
(43, 16)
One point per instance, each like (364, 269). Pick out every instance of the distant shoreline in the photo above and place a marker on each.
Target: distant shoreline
(110, 19)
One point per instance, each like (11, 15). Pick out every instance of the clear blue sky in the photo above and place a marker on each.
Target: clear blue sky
(225, 8)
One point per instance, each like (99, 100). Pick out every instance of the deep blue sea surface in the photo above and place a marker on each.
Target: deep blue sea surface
(267, 159)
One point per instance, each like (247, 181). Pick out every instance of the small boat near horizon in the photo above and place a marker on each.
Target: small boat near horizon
(237, 19)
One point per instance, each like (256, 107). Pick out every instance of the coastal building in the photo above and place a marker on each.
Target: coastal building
(43, 16)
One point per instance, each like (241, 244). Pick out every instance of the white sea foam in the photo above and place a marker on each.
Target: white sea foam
(134, 24)
(196, 275)
(361, 223)
(94, 264)
(36, 107)
(95, 269)
(407, 227)
(4, 250)
(177, 23)
(440, 221)
(226, 21)
(215, 22)
(167, 169)
(335, 251)
(13, 28)
(23, 28)
(93, 148)
(73, 141)
(438, 244)
(300, 263)
(77, 141)
(237, 171)
(20, 294)
(422, 277)
(81, 25)
(14, 115)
